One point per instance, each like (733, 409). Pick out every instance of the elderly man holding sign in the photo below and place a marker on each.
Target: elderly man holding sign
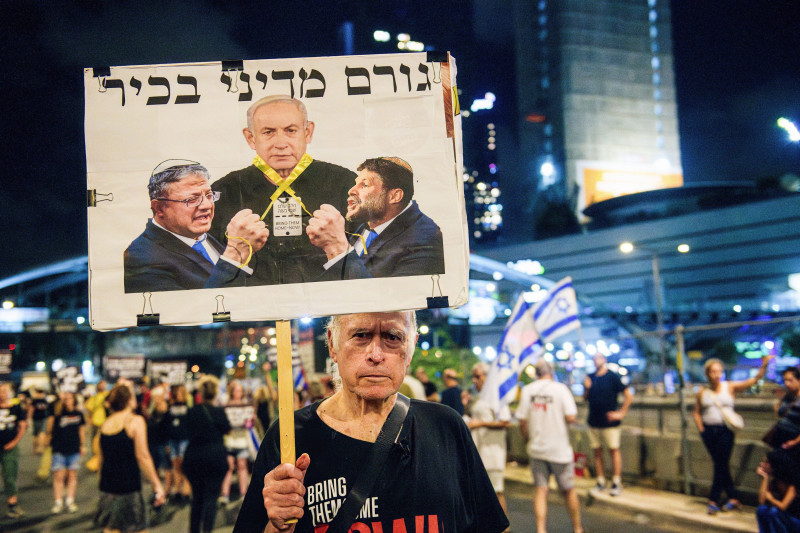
(370, 459)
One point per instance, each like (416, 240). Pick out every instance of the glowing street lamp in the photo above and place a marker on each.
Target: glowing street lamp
(627, 248)
(791, 129)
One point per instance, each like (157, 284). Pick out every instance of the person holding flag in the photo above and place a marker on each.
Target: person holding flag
(529, 327)
(488, 428)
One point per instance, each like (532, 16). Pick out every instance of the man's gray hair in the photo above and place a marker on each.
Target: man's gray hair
(482, 366)
(543, 368)
(335, 329)
(274, 99)
(159, 182)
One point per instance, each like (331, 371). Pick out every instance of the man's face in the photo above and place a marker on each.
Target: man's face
(5, 393)
(367, 199)
(790, 383)
(176, 217)
(599, 361)
(279, 135)
(373, 353)
(478, 379)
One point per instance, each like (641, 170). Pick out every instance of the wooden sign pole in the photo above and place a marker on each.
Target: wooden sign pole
(285, 394)
(285, 391)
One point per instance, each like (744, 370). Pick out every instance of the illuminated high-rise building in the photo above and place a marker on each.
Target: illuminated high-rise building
(597, 113)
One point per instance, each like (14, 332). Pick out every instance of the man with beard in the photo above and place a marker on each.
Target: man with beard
(395, 238)
(283, 186)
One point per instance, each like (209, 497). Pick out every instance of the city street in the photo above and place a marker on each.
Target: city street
(36, 500)
(520, 510)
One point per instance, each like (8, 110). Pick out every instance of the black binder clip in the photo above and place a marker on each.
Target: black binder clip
(221, 316)
(437, 302)
(435, 56)
(232, 64)
(92, 197)
(147, 319)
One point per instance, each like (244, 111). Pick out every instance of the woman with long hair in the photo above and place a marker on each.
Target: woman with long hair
(236, 440)
(178, 434)
(205, 461)
(717, 437)
(66, 429)
(124, 456)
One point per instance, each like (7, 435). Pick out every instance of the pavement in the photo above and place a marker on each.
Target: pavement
(640, 503)
(649, 506)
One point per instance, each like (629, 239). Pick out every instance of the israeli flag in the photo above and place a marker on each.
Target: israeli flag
(519, 346)
(299, 378)
(557, 314)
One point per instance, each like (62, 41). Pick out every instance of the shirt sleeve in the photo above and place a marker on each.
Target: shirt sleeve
(524, 405)
(570, 408)
(489, 516)
(618, 383)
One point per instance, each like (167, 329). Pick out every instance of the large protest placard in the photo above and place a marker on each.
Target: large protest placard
(170, 372)
(67, 379)
(143, 122)
(124, 366)
(5, 362)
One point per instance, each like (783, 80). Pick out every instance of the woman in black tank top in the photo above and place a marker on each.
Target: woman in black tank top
(124, 451)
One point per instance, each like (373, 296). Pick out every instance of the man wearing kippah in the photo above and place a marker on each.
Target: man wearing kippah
(394, 238)
(175, 252)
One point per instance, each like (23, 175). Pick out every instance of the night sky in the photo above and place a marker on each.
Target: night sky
(736, 61)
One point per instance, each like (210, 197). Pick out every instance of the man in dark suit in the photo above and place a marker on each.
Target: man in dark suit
(395, 237)
(174, 252)
(283, 185)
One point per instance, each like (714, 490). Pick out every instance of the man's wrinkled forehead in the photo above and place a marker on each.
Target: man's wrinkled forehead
(285, 111)
(377, 322)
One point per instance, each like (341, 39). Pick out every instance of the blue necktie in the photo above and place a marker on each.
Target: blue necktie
(199, 248)
(370, 237)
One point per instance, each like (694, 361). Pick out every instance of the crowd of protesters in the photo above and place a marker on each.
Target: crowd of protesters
(132, 428)
(195, 442)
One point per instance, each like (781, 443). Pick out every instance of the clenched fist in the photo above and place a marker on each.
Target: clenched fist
(326, 230)
(245, 225)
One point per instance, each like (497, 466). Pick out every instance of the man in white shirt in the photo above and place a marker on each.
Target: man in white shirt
(545, 409)
(489, 433)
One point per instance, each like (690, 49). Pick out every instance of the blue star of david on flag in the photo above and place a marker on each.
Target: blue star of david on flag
(528, 328)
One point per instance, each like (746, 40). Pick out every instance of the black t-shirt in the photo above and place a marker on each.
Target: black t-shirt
(176, 421)
(66, 433)
(263, 413)
(430, 388)
(452, 398)
(285, 258)
(433, 478)
(10, 417)
(157, 429)
(602, 398)
(41, 408)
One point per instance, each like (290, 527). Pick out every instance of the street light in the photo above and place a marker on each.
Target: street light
(627, 248)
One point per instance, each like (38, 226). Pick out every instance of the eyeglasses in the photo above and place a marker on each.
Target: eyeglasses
(194, 201)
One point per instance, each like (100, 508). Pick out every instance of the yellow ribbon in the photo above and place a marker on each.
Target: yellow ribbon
(249, 256)
(284, 184)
